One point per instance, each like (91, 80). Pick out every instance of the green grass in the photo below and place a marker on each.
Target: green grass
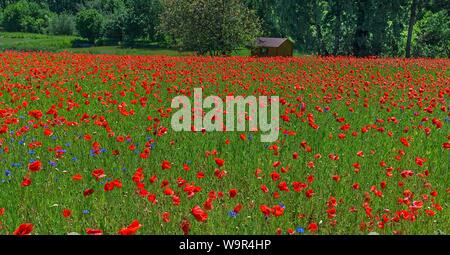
(41, 42)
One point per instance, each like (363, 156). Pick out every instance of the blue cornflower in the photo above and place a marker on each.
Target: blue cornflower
(31, 152)
(300, 230)
(85, 211)
(52, 163)
(282, 205)
(16, 164)
(232, 214)
(103, 150)
(74, 159)
(250, 137)
(7, 173)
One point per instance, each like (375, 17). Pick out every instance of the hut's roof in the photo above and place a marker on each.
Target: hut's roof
(270, 42)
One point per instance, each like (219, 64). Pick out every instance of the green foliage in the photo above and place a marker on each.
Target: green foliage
(25, 16)
(432, 35)
(62, 24)
(63, 6)
(208, 26)
(89, 23)
(113, 29)
(141, 19)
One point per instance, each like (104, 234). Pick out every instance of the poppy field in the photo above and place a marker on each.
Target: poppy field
(86, 146)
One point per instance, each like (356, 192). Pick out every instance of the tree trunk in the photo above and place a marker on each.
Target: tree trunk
(412, 21)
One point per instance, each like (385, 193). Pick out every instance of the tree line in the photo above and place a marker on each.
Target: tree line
(397, 28)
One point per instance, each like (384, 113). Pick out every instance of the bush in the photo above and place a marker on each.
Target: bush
(25, 16)
(62, 24)
(89, 23)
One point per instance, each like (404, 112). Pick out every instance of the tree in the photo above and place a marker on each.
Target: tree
(24, 16)
(412, 21)
(89, 24)
(208, 26)
(141, 20)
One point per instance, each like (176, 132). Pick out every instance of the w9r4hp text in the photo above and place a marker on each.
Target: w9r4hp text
(246, 244)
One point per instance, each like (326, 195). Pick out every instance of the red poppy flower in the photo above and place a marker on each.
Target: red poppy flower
(312, 227)
(233, 193)
(98, 173)
(26, 181)
(199, 214)
(35, 166)
(219, 162)
(277, 211)
(166, 216)
(108, 186)
(237, 208)
(67, 213)
(265, 210)
(23, 229)
(166, 165)
(95, 232)
(185, 226)
(131, 229)
(48, 132)
(88, 192)
(77, 177)
(37, 114)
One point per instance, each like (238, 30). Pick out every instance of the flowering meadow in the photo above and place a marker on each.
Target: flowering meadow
(86, 146)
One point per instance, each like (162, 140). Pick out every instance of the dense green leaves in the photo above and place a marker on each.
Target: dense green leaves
(89, 24)
(62, 24)
(433, 35)
(25, 16)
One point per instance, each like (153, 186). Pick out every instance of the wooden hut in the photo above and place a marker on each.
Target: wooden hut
(271, 47)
